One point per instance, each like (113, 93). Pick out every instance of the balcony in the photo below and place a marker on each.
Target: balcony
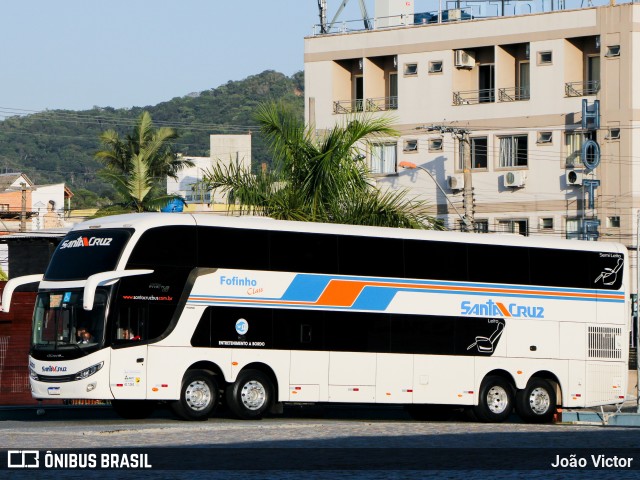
(348, 106)
(581, 89)
(472, 97)
(380, 104)
(513, 94)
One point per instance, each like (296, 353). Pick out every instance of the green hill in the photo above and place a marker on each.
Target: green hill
(58, 145)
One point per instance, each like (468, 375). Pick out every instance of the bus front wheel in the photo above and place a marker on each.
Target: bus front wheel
(250, 395)
(198, 396)
(496, 400)
(537, 402)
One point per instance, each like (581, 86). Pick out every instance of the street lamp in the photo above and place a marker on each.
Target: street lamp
(412, 166)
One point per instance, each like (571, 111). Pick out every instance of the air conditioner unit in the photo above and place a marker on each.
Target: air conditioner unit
(456, 182)
(573, 177)
(455, 14)
(515, 179)
(464, 59)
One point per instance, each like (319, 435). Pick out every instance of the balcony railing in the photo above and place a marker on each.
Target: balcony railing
(472, 97)
(580, 89)
(382, 103)
(348, 106)
(513, 94)
(371, 104)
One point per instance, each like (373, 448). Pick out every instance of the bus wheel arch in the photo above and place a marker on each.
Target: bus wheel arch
(496, 397)
(253, 393)
(537, 401)
(199, 394)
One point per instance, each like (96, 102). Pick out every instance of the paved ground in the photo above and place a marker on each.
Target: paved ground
(359, 442)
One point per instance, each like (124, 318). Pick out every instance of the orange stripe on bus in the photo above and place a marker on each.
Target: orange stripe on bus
(341, 293)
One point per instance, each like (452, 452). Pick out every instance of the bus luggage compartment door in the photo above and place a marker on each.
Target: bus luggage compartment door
(128, 374)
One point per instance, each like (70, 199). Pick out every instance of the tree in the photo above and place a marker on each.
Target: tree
(138, 165)
(322, 179)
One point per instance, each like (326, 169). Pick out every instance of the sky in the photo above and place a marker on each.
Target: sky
(77, 54)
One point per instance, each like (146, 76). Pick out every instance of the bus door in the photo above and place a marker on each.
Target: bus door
(128, 375)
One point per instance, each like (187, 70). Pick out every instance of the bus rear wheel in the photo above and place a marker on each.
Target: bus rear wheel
(198, 396)
(496, 400)
(537, 402)
(133, 409)
(250, 395)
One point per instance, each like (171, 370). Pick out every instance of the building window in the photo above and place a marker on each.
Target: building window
(481, 226)
(545, 137)
(573, 148)
(513, 226)
(545, 58)
(613, 222)
(513, 151)
(546, 224)
(613, 51)
(410, 146)
(383, 158)
(410, 68)
(478, 153)
(435, 66)
(435, 144)
(614, 134)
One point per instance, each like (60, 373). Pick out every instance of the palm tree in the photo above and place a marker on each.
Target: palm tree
(138, 165)
(322, 179)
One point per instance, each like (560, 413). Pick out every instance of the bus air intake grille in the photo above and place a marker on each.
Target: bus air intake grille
(605, 342)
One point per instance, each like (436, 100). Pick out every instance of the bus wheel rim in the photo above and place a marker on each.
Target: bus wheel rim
(198, 395)
(539, 401)
(253, 395)
(497, 399)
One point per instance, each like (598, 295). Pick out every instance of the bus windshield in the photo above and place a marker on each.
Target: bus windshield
(83, 253)
(61, 325)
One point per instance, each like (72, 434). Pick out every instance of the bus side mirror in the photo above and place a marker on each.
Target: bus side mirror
(14, 283)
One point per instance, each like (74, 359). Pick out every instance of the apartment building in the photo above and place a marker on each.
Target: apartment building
(511, 89)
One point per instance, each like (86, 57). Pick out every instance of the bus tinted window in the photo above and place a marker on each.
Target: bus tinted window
(173, 246)
(369, 256)
(560, 268)
(86, 252)
(498, 264)
(233, 248)
(303, 252)
(435, 260)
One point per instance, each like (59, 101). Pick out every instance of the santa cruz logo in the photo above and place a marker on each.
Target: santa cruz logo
(499, 309)
(86, 242)
(54, 369)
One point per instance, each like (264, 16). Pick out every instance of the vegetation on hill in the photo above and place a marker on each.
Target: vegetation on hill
(59, 145)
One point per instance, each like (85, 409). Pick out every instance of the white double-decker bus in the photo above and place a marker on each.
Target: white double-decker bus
(195, 310)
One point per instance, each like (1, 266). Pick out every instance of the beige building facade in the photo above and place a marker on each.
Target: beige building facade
(511, 89)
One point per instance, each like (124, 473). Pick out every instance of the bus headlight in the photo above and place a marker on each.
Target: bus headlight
(33, 374)
(87, 372)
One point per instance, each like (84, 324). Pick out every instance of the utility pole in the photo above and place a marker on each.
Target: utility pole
(23, 208)
(462, 134)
